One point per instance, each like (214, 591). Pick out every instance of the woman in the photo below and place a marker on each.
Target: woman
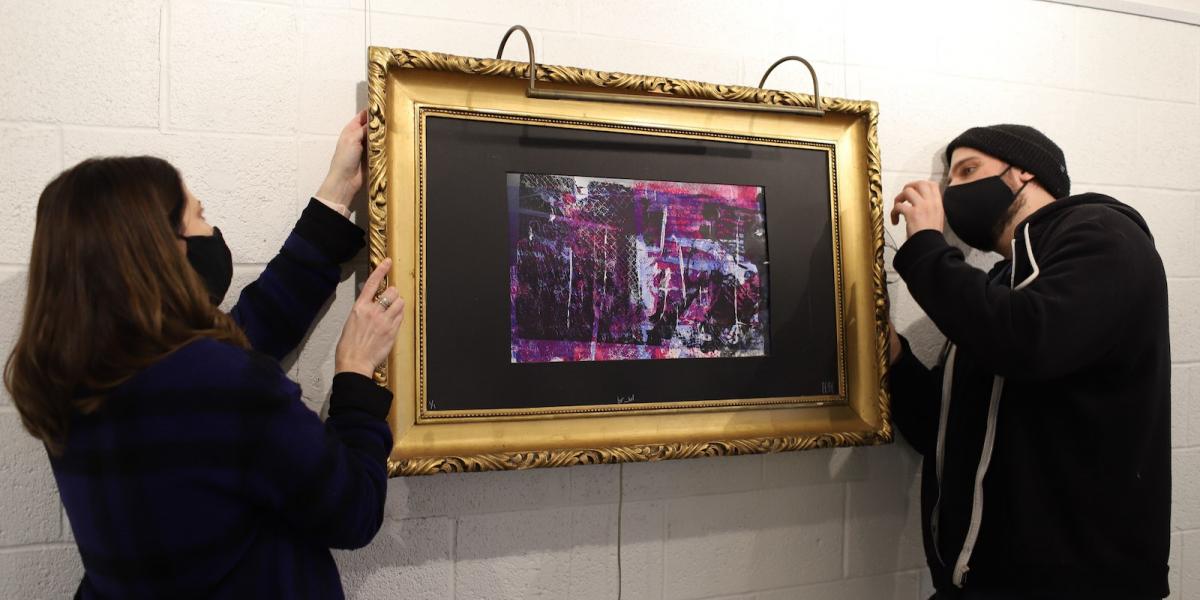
(187, 463)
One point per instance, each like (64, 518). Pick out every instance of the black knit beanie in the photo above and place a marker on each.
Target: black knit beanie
(1023, 147)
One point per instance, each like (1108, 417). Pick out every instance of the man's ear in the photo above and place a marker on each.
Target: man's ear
(1022, 175)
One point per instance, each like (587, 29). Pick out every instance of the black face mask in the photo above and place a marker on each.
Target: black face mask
(210, 257)
(976, 210)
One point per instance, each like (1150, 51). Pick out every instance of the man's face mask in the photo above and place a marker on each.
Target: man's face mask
(976, 210)
(210, 257)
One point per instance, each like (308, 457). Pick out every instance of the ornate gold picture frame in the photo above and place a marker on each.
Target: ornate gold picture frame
(446, 131)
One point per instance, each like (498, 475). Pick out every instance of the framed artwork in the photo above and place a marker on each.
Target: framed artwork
(594, 281)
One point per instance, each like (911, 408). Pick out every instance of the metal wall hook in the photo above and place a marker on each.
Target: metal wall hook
(529, 43)
(811, 71)
(532, 91)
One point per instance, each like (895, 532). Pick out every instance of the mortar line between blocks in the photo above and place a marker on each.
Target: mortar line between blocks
(62, 148)
(17, 549)
(665, 531)
(171, 131)
(757, 591)
(1016, 82)
(532, 29)
(1125, 186)
(845, 529)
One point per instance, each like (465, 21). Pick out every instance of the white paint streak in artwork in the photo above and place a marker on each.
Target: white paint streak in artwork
(662, 232)
(570, 282)
(605, 260)
(682, 271)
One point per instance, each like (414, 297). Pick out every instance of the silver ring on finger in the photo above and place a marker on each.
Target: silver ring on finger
(384, 302)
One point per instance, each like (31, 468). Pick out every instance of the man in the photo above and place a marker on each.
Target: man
(1046, 425)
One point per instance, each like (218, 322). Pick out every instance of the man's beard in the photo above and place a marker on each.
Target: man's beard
(1010, 214)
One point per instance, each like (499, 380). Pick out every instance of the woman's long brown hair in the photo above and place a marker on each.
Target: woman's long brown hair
(109, 291)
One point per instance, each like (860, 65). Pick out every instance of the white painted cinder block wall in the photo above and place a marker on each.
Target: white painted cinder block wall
(246, 98)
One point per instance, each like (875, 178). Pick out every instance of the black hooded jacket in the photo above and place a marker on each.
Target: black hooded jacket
(1063, 353)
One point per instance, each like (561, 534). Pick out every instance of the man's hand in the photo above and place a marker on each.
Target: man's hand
(346, 168)
(920, 202)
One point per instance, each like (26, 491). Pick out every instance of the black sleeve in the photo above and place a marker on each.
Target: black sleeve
(916, 399)
(1094, 268)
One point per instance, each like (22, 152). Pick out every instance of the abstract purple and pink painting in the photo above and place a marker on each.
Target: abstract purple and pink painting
(621, 269)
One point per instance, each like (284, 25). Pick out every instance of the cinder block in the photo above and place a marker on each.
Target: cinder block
(592, 563)
(1163, 67)
(314, 155)
(414, 558)
(246, 183)
(1182, 405)
(452, 37)
(734, 543)
(815, 467)
(1166, 155)
(872, 26)
(899, 586)
(334, 56)
(30, 511)
(883, 516)
(1029, 42)
(472, 493)
(560, 15)
(1185, 319)
(559, 553)
(1174, 218)
(813, 30)
(315, 359)
(1094, 142)
(1174, 578)
(725, 27)
(1185, 497)
(915, 125)
(1193, 401)
(80, 62)
(594, 484)
(643, 535)
(692, 477)
(639, 57)
(12, 294)
(52, 572)
(233, 67)
(29, 158)
(927, 589)
(1189, 566)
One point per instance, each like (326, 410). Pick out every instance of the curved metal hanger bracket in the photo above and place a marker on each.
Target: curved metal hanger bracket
(532, 91)
(811, 71)
(529, 43)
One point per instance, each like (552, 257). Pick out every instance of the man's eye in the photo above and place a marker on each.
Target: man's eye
(968, 170)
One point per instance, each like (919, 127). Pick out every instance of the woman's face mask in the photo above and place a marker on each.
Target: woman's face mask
(210, 257)
(976, 210)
